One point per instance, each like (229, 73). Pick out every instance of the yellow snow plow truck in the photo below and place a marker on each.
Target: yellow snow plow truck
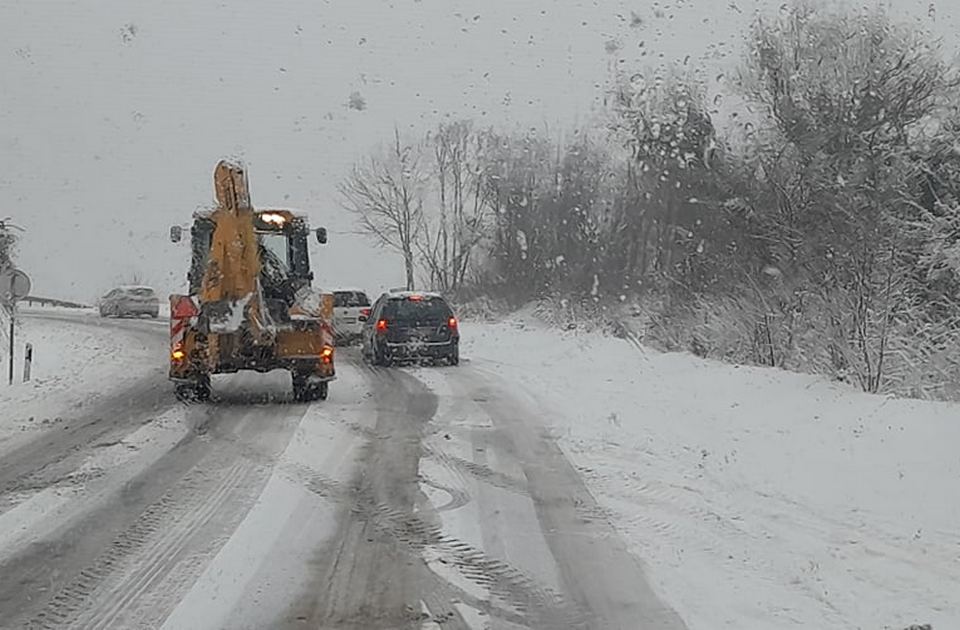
(251, 305)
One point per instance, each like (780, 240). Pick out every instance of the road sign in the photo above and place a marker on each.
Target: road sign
(14, 285)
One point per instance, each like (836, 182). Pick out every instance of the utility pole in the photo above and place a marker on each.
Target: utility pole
(13, 308)
(6, 245)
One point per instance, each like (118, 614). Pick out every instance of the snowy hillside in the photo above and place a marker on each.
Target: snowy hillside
(760, 498)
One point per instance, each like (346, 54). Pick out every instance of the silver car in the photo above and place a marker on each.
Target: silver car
(132, 301)
(351, 307)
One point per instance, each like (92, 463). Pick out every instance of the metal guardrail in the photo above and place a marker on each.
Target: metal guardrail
(32, 300)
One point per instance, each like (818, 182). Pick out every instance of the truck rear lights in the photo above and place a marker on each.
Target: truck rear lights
(381, 326)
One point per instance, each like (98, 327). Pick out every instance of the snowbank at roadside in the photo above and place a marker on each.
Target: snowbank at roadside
(73, 363)
(759, 498)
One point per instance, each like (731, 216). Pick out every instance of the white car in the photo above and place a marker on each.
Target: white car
(351, 307)
(132, 301)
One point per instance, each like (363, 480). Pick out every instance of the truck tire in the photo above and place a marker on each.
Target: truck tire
(305, 391)
(197, 391)
(183, 392)
(203, 388)
(300, 388)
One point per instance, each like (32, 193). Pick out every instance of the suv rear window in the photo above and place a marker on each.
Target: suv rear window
(350, 298)
(428, 309)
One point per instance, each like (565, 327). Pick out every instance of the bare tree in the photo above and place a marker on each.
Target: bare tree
(448, 241)
(850, 98)
(386, 196)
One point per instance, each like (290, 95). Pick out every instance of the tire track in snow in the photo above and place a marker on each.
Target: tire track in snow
(597, 570)
(164, 526)
(171, 520)
(457, 466)
(363, 579)
(373, 572)
(458, 496)
(49, 458)
(152, 566)
(537, 605)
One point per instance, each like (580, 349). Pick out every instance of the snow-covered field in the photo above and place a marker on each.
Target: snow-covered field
(72, 366)
(758, 498)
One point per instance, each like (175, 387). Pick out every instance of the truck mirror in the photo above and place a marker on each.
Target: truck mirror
(322, 235)
(176, 233)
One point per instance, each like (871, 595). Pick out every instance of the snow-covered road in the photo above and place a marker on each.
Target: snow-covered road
(411, 498)
(553, 480)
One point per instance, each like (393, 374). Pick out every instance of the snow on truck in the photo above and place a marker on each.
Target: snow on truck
(251, 305)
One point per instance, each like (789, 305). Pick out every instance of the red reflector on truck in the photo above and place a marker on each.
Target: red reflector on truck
(183, 307)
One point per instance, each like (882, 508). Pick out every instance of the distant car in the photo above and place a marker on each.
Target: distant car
(130, 302)
(350, 309)
(410, 326)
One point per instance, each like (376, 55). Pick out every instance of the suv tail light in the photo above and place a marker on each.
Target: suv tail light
(364, 312)
(452, 323)
(381, 326)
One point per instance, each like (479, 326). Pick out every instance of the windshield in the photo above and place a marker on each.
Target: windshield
(425, 310)
(350, 299)
(664, 333)
(274, 255)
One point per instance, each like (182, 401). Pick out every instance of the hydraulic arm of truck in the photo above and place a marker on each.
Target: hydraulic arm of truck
(230, 292)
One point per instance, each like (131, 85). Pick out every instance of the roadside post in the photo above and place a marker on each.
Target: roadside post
(27, 361)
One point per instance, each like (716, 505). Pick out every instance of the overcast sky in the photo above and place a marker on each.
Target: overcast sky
(113, 113)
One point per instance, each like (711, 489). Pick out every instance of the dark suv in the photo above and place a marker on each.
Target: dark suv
(410, 326)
